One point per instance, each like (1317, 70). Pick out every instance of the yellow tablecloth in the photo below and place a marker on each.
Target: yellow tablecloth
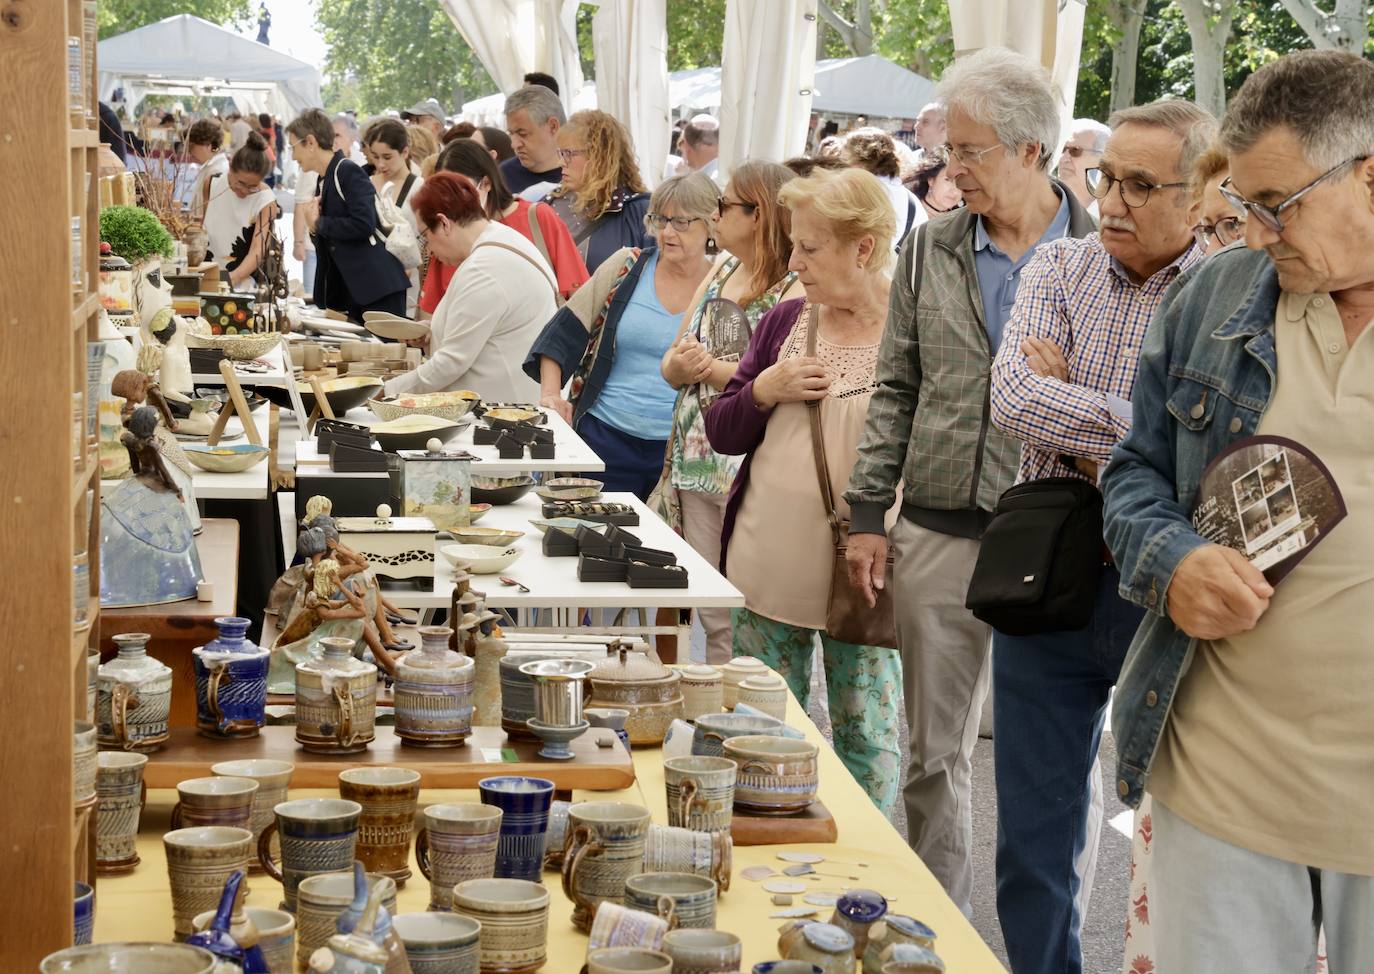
(138, 906)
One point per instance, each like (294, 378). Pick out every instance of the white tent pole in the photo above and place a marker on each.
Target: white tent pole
(630, 38)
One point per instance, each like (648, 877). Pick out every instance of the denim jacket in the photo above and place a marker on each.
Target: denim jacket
(1207, 372)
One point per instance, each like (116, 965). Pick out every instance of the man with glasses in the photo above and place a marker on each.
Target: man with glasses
(1062, 384)
(1244, 708)
(928, 427)
(1082, 152)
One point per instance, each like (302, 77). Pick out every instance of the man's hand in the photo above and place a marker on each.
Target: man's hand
(1043, 357)
(559, 405)
(689, 362)
(866, 558)
(791, 380)
(1216, 592)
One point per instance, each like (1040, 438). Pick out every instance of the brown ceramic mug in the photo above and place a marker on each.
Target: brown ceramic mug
(388, 797)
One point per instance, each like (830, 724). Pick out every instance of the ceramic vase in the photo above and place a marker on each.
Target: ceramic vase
(231, 682)
(433, 692)
(336, 700)
(133, 697)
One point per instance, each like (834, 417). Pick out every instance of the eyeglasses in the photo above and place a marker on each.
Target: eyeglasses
(1227, 230)
(423, 232)
(1135, 192)
(568, 155)
(680, 223)
(1074, 151)
(1272, 216)
(966, 157)
(722, 205)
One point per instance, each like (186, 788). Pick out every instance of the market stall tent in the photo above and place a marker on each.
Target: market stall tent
(187, 55)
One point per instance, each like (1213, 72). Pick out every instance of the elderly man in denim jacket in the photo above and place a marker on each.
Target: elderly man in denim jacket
(1244, 709)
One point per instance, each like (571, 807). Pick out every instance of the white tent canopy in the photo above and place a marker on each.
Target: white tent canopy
(187, 55)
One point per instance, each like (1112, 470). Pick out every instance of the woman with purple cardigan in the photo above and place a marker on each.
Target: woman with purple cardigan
(776, 544)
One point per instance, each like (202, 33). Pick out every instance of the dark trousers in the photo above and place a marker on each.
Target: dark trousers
(1051, 692)
(633, 465)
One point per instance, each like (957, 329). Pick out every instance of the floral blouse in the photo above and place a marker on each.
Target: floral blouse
(695, 466)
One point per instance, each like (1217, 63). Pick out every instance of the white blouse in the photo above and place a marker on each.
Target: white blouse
(227, 215)
(483, 328)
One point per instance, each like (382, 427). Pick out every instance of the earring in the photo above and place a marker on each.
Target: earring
(711, 248)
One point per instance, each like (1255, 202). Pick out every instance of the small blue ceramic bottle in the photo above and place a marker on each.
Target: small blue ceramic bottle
(231, 682)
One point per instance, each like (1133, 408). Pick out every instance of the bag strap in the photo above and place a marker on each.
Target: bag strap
(525, 256)
(918, 266)
(813, 409)
(405, 189)
(537, 233)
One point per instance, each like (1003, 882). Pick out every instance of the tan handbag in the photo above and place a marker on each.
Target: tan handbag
(848, 616)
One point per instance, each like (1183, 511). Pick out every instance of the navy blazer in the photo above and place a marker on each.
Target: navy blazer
(347, 241)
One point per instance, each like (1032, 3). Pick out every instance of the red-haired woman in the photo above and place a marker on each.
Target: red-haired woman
(493, 309)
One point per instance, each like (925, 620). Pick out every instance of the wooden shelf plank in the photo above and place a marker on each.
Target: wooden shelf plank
(83, 139)
(81, 314)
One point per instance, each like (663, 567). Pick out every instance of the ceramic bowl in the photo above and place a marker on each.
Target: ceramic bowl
(486, 537)
(444, 405)
(713, 730)
(220, 396)
(566, 523)
(499, 490)
(225, 458)
(510, 414)
(624, 960)
(514, 914)
(394, 329)
(696, 951)
(129, 958)
(343, 393)
(777, 775)
(569, 489)
(439, 943)
(477, 511)
(240, 348)
(413, 432)
(480, 559)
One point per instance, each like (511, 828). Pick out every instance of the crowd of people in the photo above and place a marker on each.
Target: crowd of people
(927, 328)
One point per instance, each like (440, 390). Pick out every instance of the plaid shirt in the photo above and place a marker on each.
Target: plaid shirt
(1079, 297)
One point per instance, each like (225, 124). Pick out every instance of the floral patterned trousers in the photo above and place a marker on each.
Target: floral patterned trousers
(862, 683)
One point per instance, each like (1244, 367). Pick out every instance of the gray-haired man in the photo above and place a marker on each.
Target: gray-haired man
(929, 427)
(533, 117)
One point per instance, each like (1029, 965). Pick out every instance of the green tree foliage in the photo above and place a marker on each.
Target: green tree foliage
(392, 53)
(696, 33)
(120, 16)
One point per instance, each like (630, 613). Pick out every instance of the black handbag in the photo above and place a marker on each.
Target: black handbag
(1040, 558)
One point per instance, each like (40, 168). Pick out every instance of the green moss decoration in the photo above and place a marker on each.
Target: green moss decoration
(134, 233)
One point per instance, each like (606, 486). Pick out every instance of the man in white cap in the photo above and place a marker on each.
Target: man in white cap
(428, 113)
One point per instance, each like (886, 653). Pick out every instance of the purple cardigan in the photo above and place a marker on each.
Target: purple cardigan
(734, 425)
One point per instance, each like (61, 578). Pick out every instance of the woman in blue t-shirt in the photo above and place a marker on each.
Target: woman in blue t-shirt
(612, 334)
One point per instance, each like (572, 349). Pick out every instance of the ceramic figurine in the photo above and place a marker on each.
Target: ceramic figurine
(377, 630)
(487, 647)
(231, 936)
(144, 456)
(160, 326)
(231, 682)
(133, 697)
(148, 553)
(329, 609)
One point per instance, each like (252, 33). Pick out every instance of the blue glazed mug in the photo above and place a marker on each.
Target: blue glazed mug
(84, 914)
(231, 682)
(317, 835)
(524, 804)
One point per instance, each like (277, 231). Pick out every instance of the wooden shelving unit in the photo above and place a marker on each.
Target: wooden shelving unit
(49, 470)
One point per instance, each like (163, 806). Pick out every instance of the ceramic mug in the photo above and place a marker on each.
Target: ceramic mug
(214, 801)
(669, 849)
(457, 842)
(274, 781)
(276, 936)
(624, 960)
(682, 899)
(318, 835)
(142, 957)
(321, 899)
(440, 943)
(703, 951)
(553, 837)
(701, 792)
(777, 775)
(83, 914)
(524, 804)
(603, 848)
(84, 761)
(199, 863)
(388, 797)
(619, 926)
(514, 914)
(119, 785)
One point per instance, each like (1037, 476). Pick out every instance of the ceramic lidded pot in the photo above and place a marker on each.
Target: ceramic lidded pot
(856, 911)
(703, 690)
(777, 775)
(894, 928)
(336, 700)
(736, 672)
(642, 685)
(433, 692)
(766, 692)
(231, 682)
(133, 697)
(823, 944)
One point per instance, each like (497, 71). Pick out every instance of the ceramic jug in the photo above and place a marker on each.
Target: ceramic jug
(231, 682)
(433, 692)
(133, 697)
(336, 700)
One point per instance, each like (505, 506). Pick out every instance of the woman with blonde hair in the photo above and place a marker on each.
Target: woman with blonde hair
(602, 197)
(753, 232)
(812, 356)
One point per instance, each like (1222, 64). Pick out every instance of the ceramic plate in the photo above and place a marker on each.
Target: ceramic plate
(812, 857)
(821, 899)
(566, 523)
(784, 886)
(755, 873)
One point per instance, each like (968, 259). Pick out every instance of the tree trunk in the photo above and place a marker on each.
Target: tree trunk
(1128, 16)
(1346, 28)
(858, 36)
(1209, 32)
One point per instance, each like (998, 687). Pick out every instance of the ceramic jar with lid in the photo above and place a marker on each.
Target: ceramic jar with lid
(766, 692)
(336, 700)
(433, 692)
(133, 697)
(231, 682)
(827, 946)
(857, 911)
(893, 929)
(736, 672)
(642, 685)
(703, 691)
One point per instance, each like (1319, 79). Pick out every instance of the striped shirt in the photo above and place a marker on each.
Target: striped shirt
(1079, 297)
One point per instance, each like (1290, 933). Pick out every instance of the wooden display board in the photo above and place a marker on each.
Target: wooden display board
(816, 824)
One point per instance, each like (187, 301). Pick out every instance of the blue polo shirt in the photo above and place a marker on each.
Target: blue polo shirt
(999, 276)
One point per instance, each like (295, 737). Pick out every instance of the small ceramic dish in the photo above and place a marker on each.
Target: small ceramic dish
(393, 327)
(480, 559)
(487, 537)
(569, 489)
(499, 490)
(511, 414)
(225, 459)
(241, 348)
(413, 432)
(477, 511)
(445, 405)
(569, 524)
(221, 396)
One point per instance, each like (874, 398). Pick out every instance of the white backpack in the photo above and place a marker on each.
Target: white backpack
(397, 235)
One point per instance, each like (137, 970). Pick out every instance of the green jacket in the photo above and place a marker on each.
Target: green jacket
(928, 421)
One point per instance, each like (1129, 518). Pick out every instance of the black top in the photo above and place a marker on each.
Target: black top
(518, 178)
(352, 258)
(112, 132)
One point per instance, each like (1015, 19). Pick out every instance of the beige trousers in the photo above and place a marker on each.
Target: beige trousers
(703, 516)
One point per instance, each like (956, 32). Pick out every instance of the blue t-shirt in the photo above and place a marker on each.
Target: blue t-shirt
(636, 399)
(999, 276)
